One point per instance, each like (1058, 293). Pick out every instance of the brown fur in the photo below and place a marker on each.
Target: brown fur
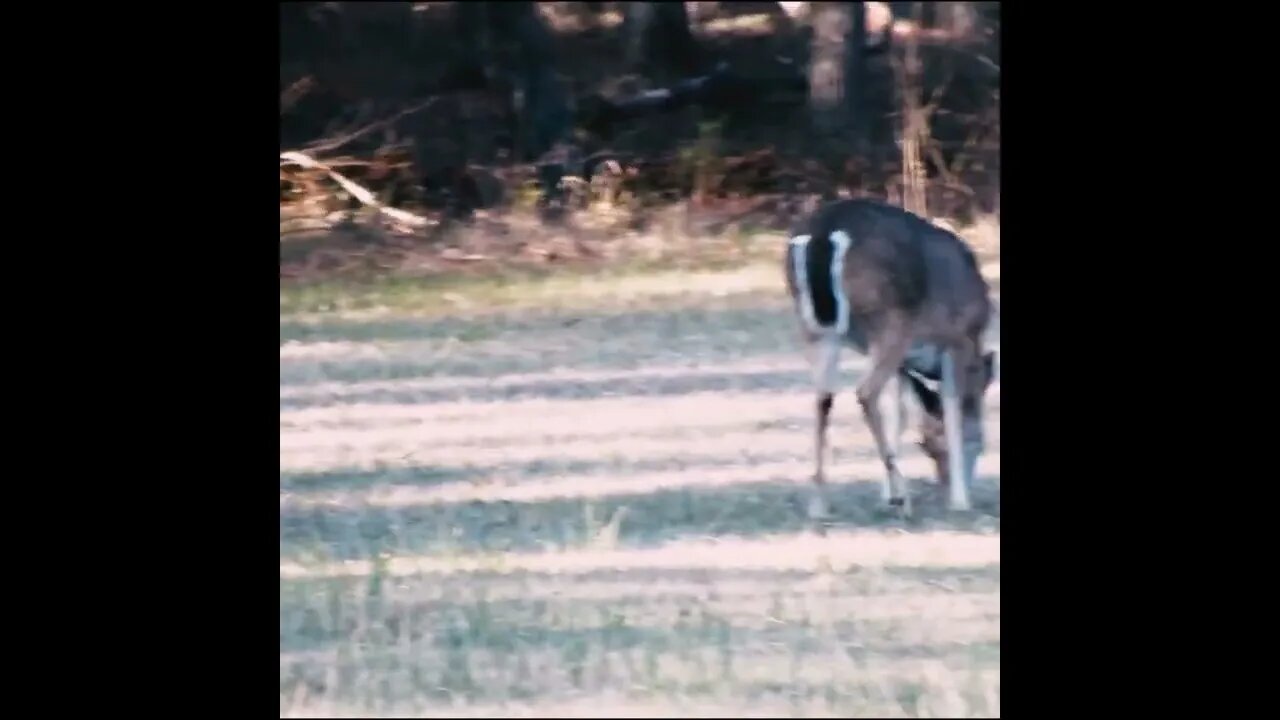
(908, 283)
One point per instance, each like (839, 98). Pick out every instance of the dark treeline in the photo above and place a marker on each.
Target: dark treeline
(789, 98)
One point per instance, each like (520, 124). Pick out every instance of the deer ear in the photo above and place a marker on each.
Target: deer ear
(989, 365)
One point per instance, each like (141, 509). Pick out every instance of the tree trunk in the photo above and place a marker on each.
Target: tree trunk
(546, 101)
(855, 74)
(659, 41)
(639, 18)
(827, 65)
(506, 48)
(471, 42)
(915, 134)
(674, 40)
(960, 20)
(541, 102)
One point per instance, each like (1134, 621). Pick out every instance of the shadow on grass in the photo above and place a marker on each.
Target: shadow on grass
(620, 341)
(651, 519)
(302, 483)
(715, 630)
(533, 322)
(756, 381)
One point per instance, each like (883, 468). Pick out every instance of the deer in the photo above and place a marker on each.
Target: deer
(908, 295)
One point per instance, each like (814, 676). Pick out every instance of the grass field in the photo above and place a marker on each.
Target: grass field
(586, 498)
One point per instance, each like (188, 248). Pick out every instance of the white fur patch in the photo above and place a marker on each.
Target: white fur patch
(841, 243)
(924, 358)
(934, 386)
(804, 296)
(841, 240)
(826, 371)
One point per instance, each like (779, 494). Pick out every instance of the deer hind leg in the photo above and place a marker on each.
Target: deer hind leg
(892, 411)
(824, 357)
(886, 359)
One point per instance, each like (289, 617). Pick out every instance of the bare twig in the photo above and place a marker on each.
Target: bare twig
(330, 145)
(295, 92)
(305, 227)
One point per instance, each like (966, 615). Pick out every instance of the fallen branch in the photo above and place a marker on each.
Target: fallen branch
(360, 193)
(328, 146)
(295, 92)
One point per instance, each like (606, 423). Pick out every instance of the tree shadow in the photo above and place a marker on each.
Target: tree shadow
(534, 322)
(308, 482)
(622, 341)
(619, 628)
(754, 381)
(650, 519)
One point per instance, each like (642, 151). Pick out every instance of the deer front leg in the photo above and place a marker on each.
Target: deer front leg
(886, 358)
(962, 453)
(892, 412)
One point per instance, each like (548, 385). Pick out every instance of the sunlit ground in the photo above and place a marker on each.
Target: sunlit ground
(598, 510)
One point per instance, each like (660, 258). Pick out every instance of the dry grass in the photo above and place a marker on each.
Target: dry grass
(660, 282)
(597, 510)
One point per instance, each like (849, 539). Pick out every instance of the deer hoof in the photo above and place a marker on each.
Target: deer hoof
(900, 505)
